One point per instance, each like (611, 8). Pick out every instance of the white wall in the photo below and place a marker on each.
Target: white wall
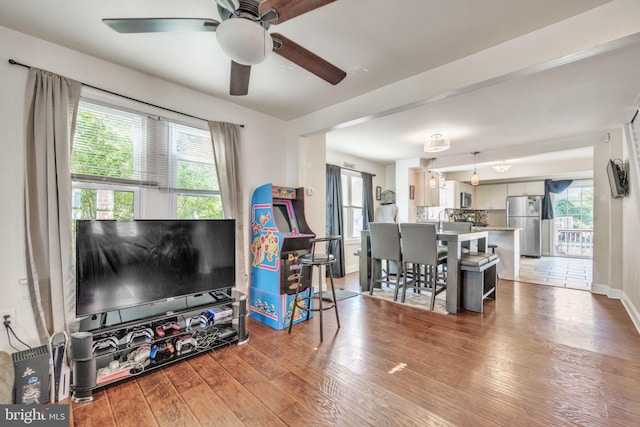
(607, 220)
(631, 227)
(262, 144)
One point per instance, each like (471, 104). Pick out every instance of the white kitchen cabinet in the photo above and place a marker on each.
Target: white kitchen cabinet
(490, 196)
(498, 196)
(482, 197)
(532, 188)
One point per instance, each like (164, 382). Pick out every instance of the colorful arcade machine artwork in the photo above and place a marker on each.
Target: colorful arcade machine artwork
(279, 235)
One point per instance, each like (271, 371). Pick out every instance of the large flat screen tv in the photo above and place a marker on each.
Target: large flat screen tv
(121, 264)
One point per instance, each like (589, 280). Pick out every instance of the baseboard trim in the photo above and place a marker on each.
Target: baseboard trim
(600, 289)
(351, 268)
(632, 311)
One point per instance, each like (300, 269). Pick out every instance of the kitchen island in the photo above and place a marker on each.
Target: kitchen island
(508, 241)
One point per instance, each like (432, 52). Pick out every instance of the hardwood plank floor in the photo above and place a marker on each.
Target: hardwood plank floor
(538, 355)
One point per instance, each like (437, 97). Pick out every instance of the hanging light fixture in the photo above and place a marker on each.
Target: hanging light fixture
(437, 143)
(432, 181)
(502, 167)
(475, 178)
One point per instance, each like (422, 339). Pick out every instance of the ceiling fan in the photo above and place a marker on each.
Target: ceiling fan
(243, 36)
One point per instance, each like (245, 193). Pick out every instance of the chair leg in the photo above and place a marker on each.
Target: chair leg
(295, 300)
(434, 284)
(398, 275)
(333, 291)
(372, 281)
(320, 299)
(404, 284)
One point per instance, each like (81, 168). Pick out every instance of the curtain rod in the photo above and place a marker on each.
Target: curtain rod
(14, 62)
(353, 169)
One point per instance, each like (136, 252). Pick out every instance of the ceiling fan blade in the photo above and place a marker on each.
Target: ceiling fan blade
(288, 9)
(230, 5)
(239, 79)
(307, 59)
(161, 25)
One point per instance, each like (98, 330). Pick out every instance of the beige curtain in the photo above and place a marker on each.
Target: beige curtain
(226, 150)
(53, 103)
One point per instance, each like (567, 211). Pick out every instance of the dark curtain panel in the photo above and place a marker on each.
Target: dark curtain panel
(334, 215)
(367, 200)
(552, 187)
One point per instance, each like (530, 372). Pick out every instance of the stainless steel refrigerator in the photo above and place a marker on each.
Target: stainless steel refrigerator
(525, 212)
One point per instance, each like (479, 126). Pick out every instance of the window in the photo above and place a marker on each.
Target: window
(128, 164)
(573, 220)
(352, 204)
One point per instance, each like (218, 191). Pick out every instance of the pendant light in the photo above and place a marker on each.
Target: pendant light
(475, 178)
(432, 181)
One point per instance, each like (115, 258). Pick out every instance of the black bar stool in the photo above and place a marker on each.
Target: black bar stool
(317, 260)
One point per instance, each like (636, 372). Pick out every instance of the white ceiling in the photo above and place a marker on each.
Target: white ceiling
(378, 43)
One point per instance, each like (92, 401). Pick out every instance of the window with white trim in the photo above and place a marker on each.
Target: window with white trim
(129, 164)
(351, 204)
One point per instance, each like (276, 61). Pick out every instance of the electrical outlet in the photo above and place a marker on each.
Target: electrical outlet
(11, 312)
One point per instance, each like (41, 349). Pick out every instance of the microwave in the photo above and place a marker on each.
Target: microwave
(465, 200)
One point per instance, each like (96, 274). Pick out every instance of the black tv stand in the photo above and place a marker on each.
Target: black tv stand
(115, 346)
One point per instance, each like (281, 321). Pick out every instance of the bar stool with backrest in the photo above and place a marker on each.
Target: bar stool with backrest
(385, 246)
(308, 261)
(420, 248)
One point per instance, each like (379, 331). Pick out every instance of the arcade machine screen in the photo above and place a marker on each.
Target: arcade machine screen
(281, 217)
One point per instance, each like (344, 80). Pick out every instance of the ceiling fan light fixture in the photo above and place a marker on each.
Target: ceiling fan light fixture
(244, 41)
(437, 143)
(502, 167)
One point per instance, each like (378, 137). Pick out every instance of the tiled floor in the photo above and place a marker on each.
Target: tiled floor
(574, 273)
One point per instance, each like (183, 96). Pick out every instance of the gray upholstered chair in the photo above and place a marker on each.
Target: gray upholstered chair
(420, 249)
(385, 246)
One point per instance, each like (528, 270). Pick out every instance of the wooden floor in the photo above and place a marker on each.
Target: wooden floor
(539, 355)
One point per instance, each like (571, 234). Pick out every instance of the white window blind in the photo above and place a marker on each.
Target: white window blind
(120, 146)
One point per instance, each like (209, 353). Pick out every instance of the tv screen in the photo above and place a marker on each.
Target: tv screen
(121, 264)
(617, 179)
(281, 217)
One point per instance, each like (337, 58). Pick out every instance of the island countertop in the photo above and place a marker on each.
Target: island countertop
(507, 241)
(491, 228)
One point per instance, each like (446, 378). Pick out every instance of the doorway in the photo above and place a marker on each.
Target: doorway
(573, 221)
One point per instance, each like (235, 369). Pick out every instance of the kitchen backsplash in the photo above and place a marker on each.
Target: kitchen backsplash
(477, 216)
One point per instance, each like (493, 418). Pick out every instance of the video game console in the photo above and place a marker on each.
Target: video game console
(226, 333)
(219, 314)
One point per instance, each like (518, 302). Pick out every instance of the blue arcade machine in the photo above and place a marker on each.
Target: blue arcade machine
(279, 235)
